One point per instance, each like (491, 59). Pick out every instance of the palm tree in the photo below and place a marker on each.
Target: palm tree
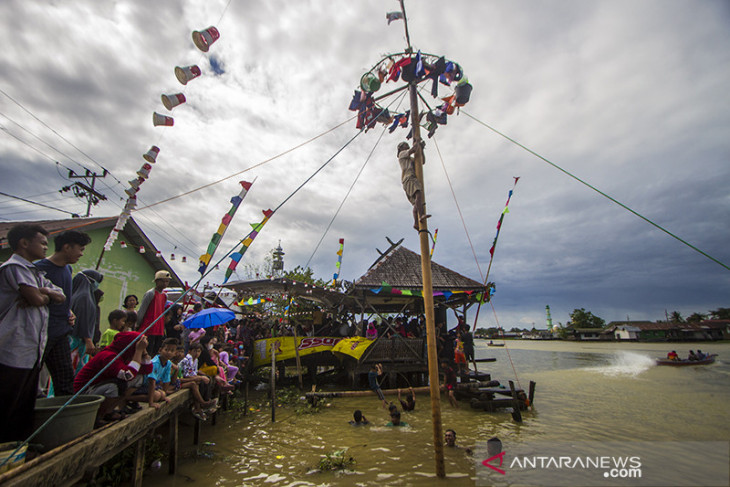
(696, 318)
(676, 317)
(720, 314)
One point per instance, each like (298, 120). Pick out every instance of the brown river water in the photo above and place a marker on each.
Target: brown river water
(586, 391)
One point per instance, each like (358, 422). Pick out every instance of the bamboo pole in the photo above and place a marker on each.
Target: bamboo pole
(433, 374)
(296, 345)
(273, 381)
(394, 392)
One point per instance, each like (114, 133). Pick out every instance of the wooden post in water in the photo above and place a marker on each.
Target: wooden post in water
(138, 462)
(273, 381)
(531, 394)
(433, 374)
(245, 399)
(516, 414)
(172, 445)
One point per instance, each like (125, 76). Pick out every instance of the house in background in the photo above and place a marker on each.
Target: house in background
(646, 331)
(126, 270)
(588, 334)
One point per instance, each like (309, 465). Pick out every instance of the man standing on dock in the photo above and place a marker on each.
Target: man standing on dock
(70, 246)
(151, 308)
(25, 294)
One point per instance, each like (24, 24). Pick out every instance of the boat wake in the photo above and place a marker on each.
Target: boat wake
(624, 364)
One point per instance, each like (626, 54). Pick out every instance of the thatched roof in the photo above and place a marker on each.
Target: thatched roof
(401, 268)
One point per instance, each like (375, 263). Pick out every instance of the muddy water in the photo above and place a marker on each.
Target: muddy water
(585, 392)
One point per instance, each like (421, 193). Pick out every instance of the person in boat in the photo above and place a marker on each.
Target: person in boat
(359, 419)
(411, 184)
(673, 355)
(692, 356)
(701, 355)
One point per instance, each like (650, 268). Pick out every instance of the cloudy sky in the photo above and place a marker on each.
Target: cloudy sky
(630, 97)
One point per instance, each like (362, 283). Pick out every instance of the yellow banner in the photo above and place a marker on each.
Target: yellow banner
(353, 347)
(284, 347)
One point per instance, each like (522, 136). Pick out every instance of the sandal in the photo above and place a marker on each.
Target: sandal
(115, 416)
(200, 415)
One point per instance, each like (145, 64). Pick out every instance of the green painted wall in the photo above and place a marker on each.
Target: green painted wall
(125, 270)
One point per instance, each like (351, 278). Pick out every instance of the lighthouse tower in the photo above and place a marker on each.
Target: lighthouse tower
(277, 264)
(549, 318)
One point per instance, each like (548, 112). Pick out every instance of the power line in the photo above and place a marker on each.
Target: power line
(44, 142)
(39, 204)
(51, 129)
(656, 225)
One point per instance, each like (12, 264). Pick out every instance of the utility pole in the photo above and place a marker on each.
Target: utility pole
(86, 191)
(433, 373)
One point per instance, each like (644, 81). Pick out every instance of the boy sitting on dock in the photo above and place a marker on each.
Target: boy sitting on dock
(157, 384)
(194, 380)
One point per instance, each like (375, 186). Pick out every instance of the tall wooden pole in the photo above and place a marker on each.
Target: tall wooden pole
(273, 381)
(433, 373)
(296, 344)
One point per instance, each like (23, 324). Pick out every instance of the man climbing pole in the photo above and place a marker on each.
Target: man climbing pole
(410, 182)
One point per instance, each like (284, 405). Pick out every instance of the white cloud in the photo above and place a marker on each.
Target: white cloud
(629, 97)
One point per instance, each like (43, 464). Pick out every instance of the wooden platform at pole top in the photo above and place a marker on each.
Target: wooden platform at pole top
(69, 463)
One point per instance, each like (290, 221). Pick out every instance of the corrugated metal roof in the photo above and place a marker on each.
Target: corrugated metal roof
(135, 236)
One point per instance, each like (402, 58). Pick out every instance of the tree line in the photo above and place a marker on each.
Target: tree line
(580, 318)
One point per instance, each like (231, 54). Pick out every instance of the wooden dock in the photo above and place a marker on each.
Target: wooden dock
(80, 458)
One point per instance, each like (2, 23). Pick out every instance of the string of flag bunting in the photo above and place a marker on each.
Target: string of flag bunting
(253, 301)
(433, 245)
(225, 221)
(385, 288)
(246, 243)
(501, 217)
(338, 265)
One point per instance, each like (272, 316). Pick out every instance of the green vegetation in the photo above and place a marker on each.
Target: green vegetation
(337, 460)
(580, 318)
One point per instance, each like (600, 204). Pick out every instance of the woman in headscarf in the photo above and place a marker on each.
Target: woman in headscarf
(173, 326)
(83, 305)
